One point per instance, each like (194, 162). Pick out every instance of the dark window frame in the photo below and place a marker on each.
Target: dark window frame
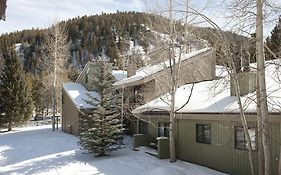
(165, 126)
(241, 144)
(143, 127)
(203, 133)
(87, 78)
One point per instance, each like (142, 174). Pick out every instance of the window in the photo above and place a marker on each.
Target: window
(203, 133)
(143, 127)
(163, 129)
(137, 89)
(138, 96)
(240, 138)
(87, 76)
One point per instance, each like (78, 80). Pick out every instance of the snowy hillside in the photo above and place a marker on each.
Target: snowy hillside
(38, 150)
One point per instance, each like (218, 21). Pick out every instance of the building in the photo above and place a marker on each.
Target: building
(150, 82)
(74, 97)
(208, 128)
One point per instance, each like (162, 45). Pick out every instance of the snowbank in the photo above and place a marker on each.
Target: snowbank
(41, 151)
(165, 171)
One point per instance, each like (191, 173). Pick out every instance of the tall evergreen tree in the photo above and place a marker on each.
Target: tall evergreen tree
(274, 41)
(101, 131)
(1, 62)
(15, 102)
(38, 95)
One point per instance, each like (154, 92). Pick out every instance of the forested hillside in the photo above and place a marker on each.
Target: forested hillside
(111, 36)
(120, 38)
(105, 35)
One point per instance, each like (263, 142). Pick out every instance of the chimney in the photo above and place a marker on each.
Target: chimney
(247, 83)
(131, 67)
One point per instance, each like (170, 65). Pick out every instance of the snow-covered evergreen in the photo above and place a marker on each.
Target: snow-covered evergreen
(101, 131)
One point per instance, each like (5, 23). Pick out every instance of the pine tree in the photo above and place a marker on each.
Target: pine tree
(100, 131)
(38, 92)
(1, 72)
(15, 102)
(1, 62)
(273, 42)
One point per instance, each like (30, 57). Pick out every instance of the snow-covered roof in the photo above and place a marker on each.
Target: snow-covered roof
(119, 74)
(79, 94)
(152, 69)
(18, 46)
(214, 97)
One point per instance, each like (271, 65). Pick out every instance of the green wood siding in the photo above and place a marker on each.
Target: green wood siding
(70, 115)
(221, 154)
(276, 140)
(153, 127)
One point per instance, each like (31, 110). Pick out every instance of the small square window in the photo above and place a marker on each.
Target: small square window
(203, 133)
(240, 138)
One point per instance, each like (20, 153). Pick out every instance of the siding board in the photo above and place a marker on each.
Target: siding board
(221, 154)
(70, 115)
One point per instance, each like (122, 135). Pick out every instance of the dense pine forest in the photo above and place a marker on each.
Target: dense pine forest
(105, 35)
(109, 36)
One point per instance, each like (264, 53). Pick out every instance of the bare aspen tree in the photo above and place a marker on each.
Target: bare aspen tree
(56, 54)
(170, 50)
(172, 61)
(262, 88)
(227, 58)
(226, 52)
(171, 47)
(234, 77)
(251, 16)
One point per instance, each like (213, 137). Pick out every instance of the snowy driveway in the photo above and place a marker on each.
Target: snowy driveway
(38, 150)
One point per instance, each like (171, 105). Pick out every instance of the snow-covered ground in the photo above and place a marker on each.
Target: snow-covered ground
(38, 150)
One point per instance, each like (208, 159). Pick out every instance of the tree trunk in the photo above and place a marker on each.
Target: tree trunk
(172, 129)
(54, 109)
(244, 123)
(122, 111)
(262, 88)
(55, 79)
(172, 61)
(10, 126)
(259, 146)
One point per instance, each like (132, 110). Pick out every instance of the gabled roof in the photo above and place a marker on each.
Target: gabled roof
(214, 97)
(146, 72)
(118, 74)
(79, 95)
